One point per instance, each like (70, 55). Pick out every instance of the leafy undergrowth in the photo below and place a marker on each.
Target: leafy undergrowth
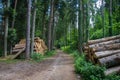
(87, 70)
(8, 61)
(92, 72)
(39, 57)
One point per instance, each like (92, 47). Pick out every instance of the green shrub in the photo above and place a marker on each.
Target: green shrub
(67, 49)
(50, 53)
(112, 77)
(37, 57)
(88, 71)
(97, 34)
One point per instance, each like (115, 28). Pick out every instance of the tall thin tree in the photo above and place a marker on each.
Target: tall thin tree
(80, 39)
(14, 14)
(28, 30)
(103, 18)
(87, 21)
(33, 26)
(50, 24)
(110, 18)
(6, 28)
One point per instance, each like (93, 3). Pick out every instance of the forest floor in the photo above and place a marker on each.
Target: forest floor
(58, 67)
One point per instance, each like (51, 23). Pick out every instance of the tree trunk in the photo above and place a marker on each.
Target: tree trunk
(13, 21)
(87, 23)
(110, 18)
(103, 18)
(112, 70)
(80, 39)
(6, 29)
(107, 47)
(33, 27)
(102, 54)
(44, 24)
(28, 30)
(105, 43)
(110, 61)
(50, 25)
(103, 39)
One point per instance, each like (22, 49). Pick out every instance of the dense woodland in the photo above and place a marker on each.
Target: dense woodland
(60, 23)
(70, 25)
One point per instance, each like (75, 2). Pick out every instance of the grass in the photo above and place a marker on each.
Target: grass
(9, 61)
(38, 57)
(35, 57)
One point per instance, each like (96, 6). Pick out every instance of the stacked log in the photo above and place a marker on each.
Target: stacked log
(39, 46)
(105, 51)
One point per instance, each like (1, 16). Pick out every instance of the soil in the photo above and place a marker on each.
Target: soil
(58, 67)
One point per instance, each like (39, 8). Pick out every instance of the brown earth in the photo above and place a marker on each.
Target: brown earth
(58, 67)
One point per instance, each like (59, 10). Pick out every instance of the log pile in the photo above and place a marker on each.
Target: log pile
(105, 51)
(39, 46)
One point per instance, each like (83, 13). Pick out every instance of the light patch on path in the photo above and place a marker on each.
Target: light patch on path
(58, 67)
(61, 69)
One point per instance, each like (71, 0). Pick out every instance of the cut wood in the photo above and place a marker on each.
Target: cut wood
(105, 51)
(110, 61)
(112, 70)
(102, 54)
(107, 47)
(16, 50)
(105, 43)
(19, 45)
(103, 39)
(39, 45)
(14, 56)
(22, 41)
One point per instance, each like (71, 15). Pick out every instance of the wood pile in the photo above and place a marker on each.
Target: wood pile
(105, 51)
(39, 46)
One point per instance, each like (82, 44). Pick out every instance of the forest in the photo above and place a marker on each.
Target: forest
(89, 30)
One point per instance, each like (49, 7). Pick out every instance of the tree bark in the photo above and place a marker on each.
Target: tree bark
(105, 43)
(110, 18)
(112, 70)
(33, 27)
(28, 30)
(50, 25)
(107, 47)
(87, 23)
(110, 61)
(6, 29)
(44, 19)
(80, 39)
(103, 40)
(103, 18)
(102, 54)
(13, 21)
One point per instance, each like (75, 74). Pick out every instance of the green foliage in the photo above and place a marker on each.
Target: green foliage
(88, 71)
(97, 34)
(67, 49)
(112, 77)
(116, 28)
(12, 36)
(37, 57)
(50, 53)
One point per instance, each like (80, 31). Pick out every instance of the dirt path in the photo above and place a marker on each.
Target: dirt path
(59, 67)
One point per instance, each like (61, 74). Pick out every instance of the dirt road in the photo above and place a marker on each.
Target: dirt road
(58, 67)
